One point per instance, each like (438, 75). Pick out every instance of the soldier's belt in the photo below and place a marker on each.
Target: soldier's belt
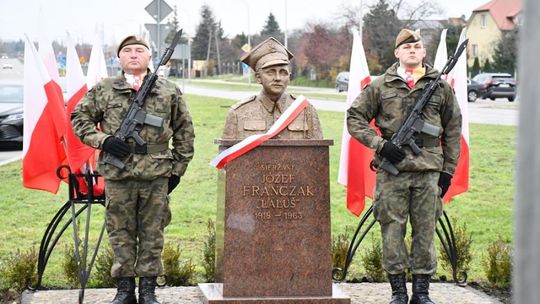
(424, 141)
(148, 148)
(427, 142)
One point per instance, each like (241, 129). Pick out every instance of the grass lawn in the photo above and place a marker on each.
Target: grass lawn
(486, 208)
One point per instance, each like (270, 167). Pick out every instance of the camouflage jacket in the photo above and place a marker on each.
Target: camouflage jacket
(388, 100)
(258, 113)
(106, 105)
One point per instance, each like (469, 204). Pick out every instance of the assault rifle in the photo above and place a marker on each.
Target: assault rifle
(414, 124)
(136, 117)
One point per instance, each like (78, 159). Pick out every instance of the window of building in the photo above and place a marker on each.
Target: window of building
(475, 50)
(483, 20)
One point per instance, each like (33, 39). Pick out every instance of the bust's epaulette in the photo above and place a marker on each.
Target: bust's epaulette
(243, 102)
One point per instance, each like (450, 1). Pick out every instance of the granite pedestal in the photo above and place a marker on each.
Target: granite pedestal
(273, 227)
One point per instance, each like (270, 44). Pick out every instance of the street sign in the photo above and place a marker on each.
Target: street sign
(181, 51)
(246, 48)
(164, 30)
(62, 60)
(158, 9)
(245, 70)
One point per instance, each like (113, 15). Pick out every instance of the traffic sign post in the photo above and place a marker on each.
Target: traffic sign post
(159, 10)
(156, 32)
(246, 71)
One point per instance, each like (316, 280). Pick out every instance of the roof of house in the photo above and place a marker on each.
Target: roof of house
(503, 12)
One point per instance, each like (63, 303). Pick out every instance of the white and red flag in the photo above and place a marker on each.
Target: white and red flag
(441, 57)
(78, 153)
(458, 79)
(97, 67)
(354, 169)
(253, 141)
(44, 121)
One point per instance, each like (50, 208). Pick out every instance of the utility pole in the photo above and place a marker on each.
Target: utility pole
(208, 51)
(248, 38)
(158, 30)
(285, 31)
(361, 21)
(527, 248)
(217, 49)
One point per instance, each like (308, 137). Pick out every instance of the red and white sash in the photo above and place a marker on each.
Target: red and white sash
(254, 141)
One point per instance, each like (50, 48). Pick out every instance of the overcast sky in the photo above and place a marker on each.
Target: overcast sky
(122, 17)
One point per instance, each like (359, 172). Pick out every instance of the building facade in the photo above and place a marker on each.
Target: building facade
(486, 26)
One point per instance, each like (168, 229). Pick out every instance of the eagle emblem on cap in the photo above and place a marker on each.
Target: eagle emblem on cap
(272, 47)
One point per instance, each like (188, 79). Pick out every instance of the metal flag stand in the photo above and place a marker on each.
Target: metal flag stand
(447, 239)
(51, 237)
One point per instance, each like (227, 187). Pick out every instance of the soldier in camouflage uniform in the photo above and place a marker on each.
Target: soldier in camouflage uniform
(137, 196)
(424, 178)
(256, 114)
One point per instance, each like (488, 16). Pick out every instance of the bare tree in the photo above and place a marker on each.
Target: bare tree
(382, 23)
(407, 11)
(411, 11)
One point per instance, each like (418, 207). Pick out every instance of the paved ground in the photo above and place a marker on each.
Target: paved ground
(361, 293)
(483, 111)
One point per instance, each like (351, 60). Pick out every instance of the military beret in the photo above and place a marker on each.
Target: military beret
(267, 53)
(129, 40)
(407, 36)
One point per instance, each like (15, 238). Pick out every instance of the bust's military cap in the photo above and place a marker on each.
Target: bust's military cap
(129, 40)
(267, 53)
(407, 36)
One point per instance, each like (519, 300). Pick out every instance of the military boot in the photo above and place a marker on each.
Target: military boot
(399, 288)
(421, 289)
(125, 291)
(147, 288)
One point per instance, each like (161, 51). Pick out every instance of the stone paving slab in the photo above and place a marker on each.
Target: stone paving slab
(361, 293)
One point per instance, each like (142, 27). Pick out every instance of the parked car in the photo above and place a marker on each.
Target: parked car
(342, 81)
(11, 116)
(474, 89)
(492, 85)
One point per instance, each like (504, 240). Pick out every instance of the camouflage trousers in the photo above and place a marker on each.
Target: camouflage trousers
(137, 212)
(413, 195)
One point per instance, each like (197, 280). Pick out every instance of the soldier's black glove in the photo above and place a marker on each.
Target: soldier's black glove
(116, 147)
(174, 180)
(392, 153)
(445, 180)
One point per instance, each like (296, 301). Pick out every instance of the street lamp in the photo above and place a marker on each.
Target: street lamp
(285, 38)
(249, 39)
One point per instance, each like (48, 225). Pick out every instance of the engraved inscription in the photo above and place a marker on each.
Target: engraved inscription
(277, 194)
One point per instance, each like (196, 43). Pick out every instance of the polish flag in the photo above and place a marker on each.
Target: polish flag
(354, 169)
(97, 67)
(458, 79)
(78, 153)
(44, 121)
(441, 57)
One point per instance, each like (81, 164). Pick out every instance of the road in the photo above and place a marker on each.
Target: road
(497, 112)
(11, 69)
